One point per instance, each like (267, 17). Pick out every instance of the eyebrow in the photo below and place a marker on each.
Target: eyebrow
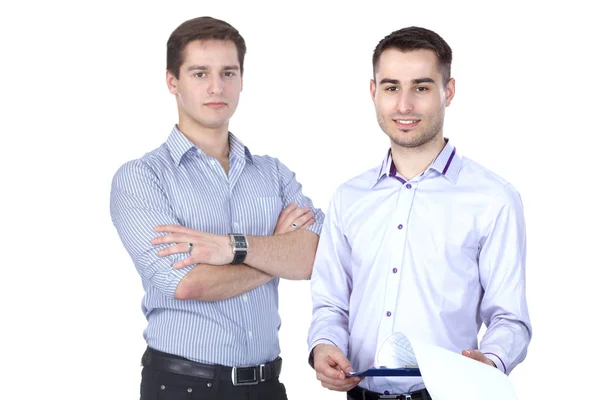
(205, 68)
(422, 80)
(414, 81)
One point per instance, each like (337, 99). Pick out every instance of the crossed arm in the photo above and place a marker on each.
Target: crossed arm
(289, 254)
(140, 209)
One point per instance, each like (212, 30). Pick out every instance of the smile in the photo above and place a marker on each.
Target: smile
(406, 123)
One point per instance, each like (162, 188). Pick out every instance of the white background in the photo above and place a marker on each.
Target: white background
(83, 92)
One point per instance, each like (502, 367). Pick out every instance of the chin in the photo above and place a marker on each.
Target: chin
(213, 124)
(408, 141)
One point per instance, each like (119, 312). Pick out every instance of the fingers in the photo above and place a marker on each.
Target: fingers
(478, 356)
(174, 229)
(295, 214)
(298, 216)
(286, 211)
(172, 238)
(331, 366)
(174, 249)
(307, 224)
(303, 219)
(339, 385)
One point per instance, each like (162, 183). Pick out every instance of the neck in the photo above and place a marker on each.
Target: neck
(411, 161)
(213, 142)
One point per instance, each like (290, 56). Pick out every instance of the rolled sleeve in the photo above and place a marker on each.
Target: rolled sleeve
(137, 206)
(291, 191)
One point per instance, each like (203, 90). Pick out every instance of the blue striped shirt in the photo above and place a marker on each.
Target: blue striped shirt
(178, 183)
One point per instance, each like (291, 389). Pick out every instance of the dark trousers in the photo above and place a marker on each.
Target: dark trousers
(160, 385)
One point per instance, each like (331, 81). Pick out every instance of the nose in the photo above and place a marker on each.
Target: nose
(216, 85)
(405, 103)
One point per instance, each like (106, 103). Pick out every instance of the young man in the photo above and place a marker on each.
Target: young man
(211, 228)
(430, 243)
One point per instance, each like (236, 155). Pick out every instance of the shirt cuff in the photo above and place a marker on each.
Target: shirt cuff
(497, 360)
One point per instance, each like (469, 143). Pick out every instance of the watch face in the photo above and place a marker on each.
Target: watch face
(239, 242)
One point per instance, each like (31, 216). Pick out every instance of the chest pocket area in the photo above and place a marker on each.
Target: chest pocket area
(261, 215)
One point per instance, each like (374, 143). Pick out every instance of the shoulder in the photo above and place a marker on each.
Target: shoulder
(354, 189)
(496, 188)
(149, 165)
(485, 179)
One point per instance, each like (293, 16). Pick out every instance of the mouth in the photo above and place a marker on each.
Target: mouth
(406, 123)
(215, 104)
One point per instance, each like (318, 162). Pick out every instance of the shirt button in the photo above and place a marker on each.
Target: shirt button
(408, 186)
(245, 297)
(395, 270)
(400, 226)
(389, 313)
(250, 333)
(236, 225)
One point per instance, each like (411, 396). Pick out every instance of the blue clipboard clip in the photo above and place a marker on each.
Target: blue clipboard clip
(406, 371)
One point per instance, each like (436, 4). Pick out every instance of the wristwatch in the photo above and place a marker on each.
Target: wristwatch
(239, 243)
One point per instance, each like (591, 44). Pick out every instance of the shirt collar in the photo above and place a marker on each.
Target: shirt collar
(447, 163)
(179, 145)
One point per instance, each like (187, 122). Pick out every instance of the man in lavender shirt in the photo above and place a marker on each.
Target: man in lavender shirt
(429, 243)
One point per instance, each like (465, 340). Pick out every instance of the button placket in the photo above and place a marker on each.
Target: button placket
(397, 239)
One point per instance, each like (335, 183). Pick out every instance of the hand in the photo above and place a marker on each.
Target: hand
(207, 248)
(478, 356)
(331, 366)
(303, 217)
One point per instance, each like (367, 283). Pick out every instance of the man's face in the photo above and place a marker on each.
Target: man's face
(409, 96)
(209, 84)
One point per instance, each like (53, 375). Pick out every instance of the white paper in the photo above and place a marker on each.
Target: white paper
(448, 375)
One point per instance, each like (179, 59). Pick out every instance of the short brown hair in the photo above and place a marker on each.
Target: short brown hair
(201, 28)
(414, 38)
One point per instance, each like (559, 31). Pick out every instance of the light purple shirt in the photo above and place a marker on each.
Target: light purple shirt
(432, 257)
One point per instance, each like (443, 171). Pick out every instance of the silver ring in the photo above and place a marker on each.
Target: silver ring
(190, 247)
(294, 225)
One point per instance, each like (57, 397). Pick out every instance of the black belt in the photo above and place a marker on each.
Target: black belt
(243, 375)
(359, 393)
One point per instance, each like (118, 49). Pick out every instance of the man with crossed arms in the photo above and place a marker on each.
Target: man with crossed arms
(231, 224)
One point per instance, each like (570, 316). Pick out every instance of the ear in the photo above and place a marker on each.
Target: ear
(373, 88)
(172, 82)
(449, 91)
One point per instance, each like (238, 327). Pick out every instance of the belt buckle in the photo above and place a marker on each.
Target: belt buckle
(242, 381)
(395, 397)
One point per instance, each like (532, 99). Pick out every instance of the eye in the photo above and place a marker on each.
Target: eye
(421, 89)
(392, 89)
(200, 74)
(229, 74)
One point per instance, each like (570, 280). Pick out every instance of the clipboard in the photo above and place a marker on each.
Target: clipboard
(409, 371)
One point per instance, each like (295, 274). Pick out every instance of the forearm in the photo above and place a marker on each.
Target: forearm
(211, 283)
(506, 341)
(288, 256)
